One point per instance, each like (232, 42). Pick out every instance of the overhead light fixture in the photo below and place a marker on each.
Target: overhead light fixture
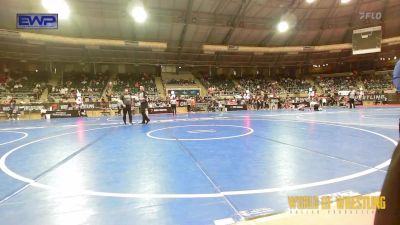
(310, 1)
(344, 1)
(283, 26)
(57, 6)
(395, 58)
(139, 14)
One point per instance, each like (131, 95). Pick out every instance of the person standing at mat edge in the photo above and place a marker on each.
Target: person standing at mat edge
(352, 96)
(173, 103)
(126, 99)
(143, 105)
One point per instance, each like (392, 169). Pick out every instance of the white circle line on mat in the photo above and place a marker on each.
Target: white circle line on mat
(34, 183)
(25, 135)
(150, 133)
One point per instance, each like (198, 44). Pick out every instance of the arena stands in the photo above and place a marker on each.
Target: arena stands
(335, 84)
(217, 83)
(22, 86)
(183, 83)
(89, 85)
(287, 91)
(180, 82)
(378, 82)
(294, 86)
(131, 82)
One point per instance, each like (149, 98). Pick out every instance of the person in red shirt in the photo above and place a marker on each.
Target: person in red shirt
(193, 104)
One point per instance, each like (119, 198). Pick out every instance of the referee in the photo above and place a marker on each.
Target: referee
(172, 101)
(391, 185)
(143, 105)
(126, 99)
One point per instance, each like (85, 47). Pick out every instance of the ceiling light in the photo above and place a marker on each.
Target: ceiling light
(57, 6)
(283, 26)
(139, 14)
(310, 1)
(345, 1)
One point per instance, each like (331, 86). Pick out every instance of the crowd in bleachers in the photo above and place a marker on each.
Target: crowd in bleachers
(335, 84)
(22, 86)
(266, 85)
(183, 82)
(257, 91)
(217, 83)
(90, 86)
(377, 83)
(294, 86)
(132, 82)
(286, 85)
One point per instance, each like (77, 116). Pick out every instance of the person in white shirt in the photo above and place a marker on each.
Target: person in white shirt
(352, 96)
(324, 102)
(172, 101)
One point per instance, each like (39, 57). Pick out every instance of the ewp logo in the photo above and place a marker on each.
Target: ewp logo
(37, 21)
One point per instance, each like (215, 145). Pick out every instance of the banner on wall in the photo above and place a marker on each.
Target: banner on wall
(62, 113)
(235, 107)
(160, 110)
(343, 93)
(189, 92)
(378, 97)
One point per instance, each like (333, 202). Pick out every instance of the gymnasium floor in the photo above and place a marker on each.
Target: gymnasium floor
(195, 169)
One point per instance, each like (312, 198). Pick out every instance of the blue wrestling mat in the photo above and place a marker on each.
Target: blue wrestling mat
(193, 169)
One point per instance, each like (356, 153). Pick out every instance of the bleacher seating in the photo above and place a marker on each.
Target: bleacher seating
(218, 83)
(294, 86)
(132, 82)
(254, 84)
(89, 85)
(378, 82)
(335, 84)
(22, 86)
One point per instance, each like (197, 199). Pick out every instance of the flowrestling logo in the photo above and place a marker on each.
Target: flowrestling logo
(37, 21)
(370, 15)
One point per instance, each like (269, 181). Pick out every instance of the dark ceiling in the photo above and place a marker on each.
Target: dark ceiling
(188, 24)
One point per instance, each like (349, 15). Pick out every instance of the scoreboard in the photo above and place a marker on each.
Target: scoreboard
(367, 40)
